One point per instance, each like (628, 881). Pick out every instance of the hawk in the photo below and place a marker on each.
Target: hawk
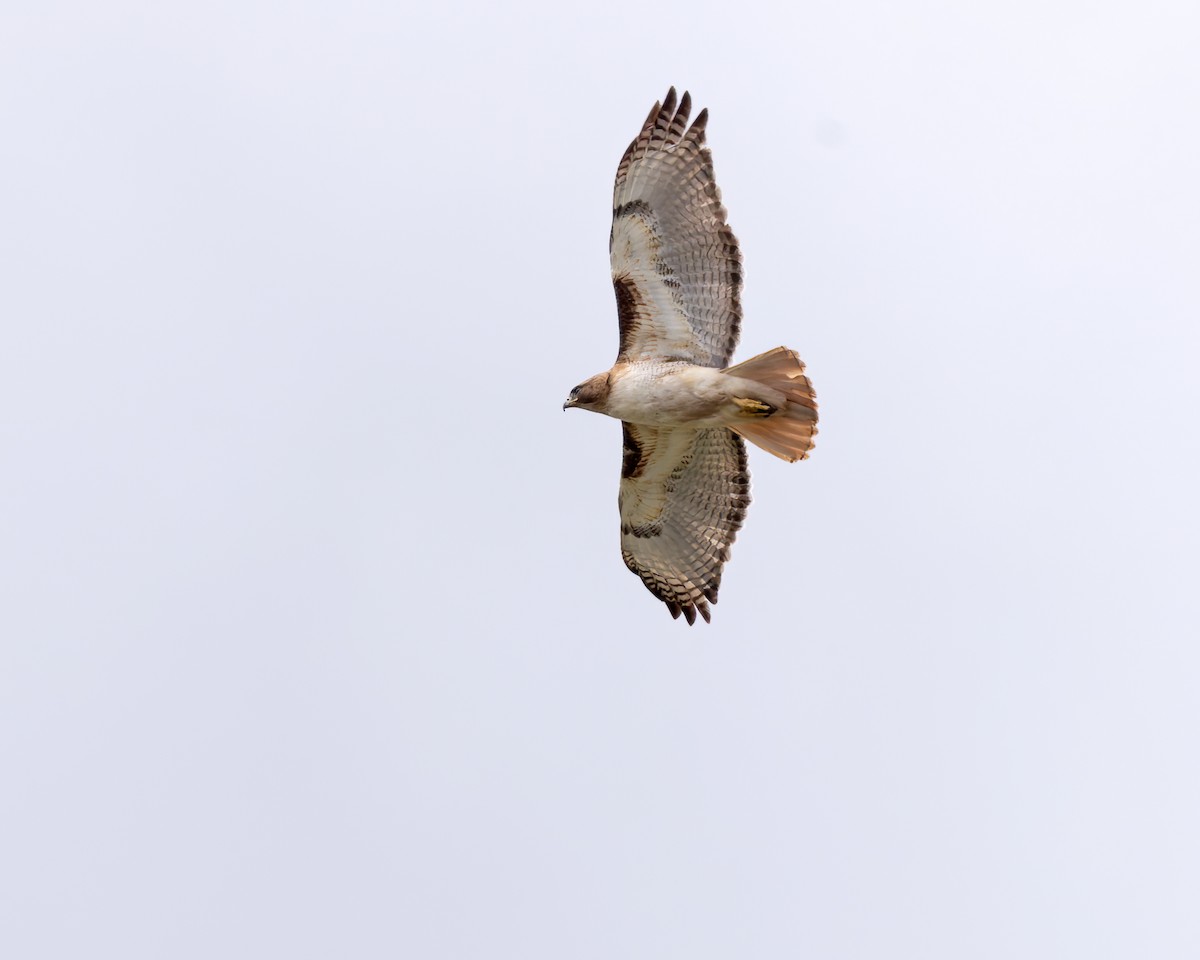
(684, 412)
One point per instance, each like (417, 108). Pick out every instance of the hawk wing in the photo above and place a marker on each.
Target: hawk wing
(676, 267)
(684, 494)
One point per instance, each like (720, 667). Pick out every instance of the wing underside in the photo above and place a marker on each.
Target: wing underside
(676, 267)
(684, 494)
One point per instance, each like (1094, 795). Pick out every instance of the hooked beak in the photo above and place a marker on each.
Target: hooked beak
(569, 404)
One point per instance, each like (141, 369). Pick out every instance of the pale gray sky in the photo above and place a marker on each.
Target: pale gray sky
(316, 637)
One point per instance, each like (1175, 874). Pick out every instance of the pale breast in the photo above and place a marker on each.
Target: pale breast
(666, 393)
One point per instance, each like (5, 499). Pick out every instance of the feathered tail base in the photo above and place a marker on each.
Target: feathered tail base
(786, 432)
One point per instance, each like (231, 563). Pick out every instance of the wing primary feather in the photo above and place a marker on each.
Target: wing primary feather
(641, 143)
(679, 123)
(668, 107)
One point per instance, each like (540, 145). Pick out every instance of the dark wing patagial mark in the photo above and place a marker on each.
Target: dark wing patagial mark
(629, 302)
(631, 450)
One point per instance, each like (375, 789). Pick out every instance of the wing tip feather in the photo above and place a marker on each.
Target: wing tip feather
(690, 610)
(668, 104)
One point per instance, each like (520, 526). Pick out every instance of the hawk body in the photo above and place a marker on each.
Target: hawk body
(673, 393)
(677, 276)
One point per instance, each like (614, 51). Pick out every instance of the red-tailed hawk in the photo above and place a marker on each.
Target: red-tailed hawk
(677, 272)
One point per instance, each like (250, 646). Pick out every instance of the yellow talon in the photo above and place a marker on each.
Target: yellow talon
(753, 408)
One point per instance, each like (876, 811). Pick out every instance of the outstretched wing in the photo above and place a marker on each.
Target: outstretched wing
(684, 494)
(676, 267)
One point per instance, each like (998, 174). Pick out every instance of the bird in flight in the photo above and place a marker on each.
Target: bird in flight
(684, 411)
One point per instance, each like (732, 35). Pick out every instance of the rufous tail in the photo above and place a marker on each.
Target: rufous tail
(788, 433)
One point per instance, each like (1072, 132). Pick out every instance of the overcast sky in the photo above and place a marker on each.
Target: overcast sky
(315, 639)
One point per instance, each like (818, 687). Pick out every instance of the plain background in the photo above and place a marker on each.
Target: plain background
(316, 640)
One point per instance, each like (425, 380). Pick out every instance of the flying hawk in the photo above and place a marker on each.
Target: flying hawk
(677, 272)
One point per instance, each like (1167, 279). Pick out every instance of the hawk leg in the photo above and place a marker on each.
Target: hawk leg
(753, 408)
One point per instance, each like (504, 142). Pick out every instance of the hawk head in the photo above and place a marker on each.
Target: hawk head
(589, 395)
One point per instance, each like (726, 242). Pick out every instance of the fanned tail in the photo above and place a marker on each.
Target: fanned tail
(787, 433)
